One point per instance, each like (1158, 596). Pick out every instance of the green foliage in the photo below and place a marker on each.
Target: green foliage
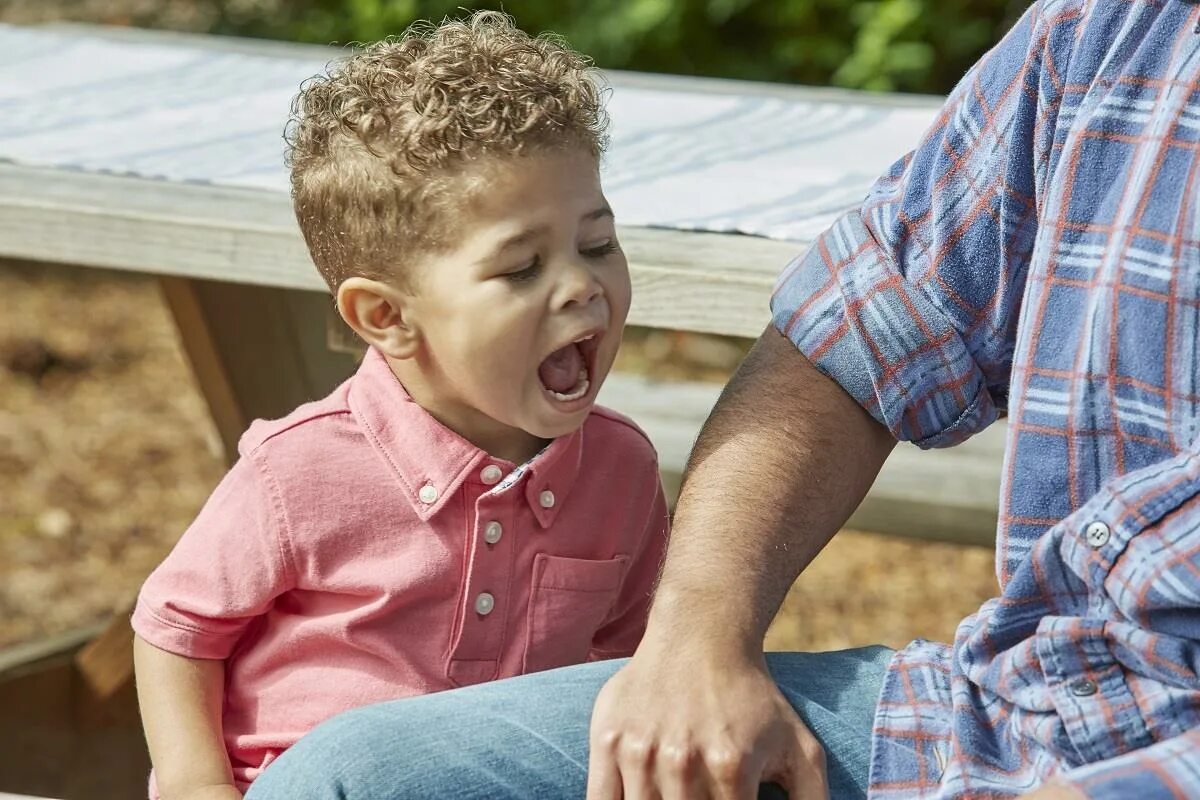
(885, 45)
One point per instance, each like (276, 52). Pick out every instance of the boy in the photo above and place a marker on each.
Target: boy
(459, 510)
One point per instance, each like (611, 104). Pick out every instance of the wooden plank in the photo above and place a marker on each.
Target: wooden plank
(717, 283)
(106, 663)
(19, 659)
(208, 367)
(256, 351)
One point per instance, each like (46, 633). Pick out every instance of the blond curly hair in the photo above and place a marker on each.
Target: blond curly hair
(375, 145)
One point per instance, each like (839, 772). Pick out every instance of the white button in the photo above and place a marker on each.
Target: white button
(547, 499)
(492, 532)
(1097, 534)
(484, 604)
(491, 474)
(428, 493)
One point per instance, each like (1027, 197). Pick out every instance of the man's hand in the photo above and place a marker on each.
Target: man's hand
(683, 725)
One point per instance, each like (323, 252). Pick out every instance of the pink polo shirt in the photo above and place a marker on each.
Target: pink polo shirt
(359, 551)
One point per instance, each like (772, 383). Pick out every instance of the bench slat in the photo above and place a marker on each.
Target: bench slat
(709, 282)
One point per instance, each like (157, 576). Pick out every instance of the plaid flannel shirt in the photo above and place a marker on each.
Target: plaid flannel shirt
(1038, 255)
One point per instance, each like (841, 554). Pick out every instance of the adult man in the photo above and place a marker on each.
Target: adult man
(1039, 253)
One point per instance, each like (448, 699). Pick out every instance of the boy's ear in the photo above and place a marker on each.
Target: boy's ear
(378, 313)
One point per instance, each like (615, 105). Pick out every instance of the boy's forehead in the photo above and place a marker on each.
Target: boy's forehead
(529, 194)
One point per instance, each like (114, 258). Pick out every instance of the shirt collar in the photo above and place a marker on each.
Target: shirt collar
(432, 462)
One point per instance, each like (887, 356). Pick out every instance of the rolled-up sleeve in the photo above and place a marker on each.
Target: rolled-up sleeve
(911, 300)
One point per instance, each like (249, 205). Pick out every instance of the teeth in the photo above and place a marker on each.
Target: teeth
(584, 339)
(579, 392)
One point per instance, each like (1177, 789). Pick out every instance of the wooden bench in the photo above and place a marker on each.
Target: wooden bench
(256, 323)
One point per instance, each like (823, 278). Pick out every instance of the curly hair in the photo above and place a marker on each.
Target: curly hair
(375, 145)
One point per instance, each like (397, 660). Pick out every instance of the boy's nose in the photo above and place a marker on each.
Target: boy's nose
(581, 287)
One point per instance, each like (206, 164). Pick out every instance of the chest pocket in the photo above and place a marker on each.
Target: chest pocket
(568, 602)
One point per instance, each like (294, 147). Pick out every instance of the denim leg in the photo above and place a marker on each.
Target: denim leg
(527, 737)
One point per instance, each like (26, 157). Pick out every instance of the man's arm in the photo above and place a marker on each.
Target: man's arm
(782, 462)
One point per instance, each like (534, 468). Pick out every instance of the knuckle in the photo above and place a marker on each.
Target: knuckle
(726, 763)
(606, 738)
(636, 749)
(812, 751)
(677, 758)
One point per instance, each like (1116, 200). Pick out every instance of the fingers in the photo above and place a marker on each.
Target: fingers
(635, 767)
(733, 774)
(805, 777)
(678, 773)
(710, 743)
(635, 759)
(604, 777)
(650, 770)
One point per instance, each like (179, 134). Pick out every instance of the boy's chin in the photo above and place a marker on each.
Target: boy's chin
(551, 425)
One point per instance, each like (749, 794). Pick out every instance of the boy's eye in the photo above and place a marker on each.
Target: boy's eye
(526, 274)
(603, 250)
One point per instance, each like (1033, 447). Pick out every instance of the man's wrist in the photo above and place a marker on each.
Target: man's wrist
(697, 620)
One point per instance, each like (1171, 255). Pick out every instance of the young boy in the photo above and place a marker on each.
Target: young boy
(459, 510)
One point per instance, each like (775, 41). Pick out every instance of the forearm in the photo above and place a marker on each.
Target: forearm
(784, 459)
(180, 700)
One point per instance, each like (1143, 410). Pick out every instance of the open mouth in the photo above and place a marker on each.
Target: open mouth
(566, 374)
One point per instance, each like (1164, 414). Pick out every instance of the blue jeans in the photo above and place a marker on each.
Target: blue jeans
(527, 737)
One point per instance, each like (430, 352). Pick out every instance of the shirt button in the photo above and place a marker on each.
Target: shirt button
(492, 532)
(1097, 534)
(547, 499)
(484, 604)
(428, 493)
(1084, 687)
(491, 474)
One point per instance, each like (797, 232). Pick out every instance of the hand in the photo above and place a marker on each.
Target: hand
(1055, 791)
(706, 724)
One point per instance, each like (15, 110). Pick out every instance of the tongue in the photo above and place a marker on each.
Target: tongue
(560, 371)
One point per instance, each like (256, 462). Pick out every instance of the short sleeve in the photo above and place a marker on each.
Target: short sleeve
(911, 300)
(225, 571)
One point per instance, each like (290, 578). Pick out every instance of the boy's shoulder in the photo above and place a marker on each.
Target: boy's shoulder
(301, 428)
(620, 432)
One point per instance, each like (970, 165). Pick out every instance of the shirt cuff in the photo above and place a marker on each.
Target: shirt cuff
(862, 323)
(180, 638)
(1167, 770)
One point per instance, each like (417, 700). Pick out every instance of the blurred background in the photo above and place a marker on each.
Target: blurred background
(884, 45)
(106, 449)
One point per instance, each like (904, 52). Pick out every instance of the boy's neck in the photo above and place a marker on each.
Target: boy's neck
(497, 440)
